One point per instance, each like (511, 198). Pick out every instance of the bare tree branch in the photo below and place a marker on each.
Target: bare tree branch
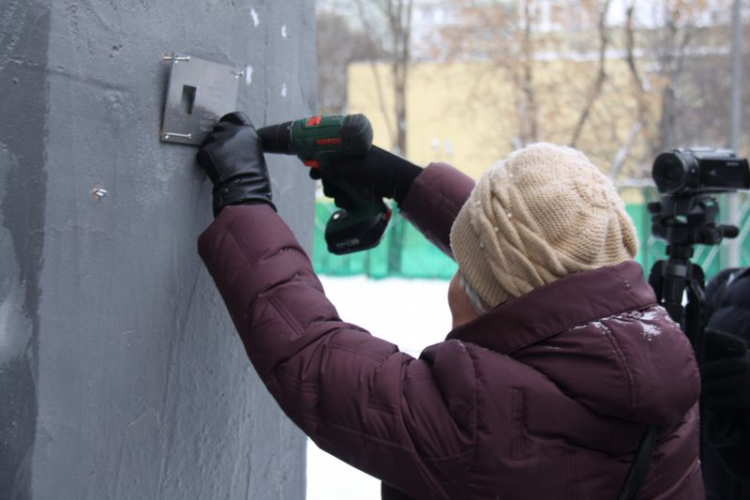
(639, 86)
(398, 17)
(624, 152)
(365, 19)
(601, 76)
(530, 125)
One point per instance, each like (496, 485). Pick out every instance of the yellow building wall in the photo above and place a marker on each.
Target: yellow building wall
(466, 113)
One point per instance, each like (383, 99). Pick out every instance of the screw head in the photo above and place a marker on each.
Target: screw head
(100, 193)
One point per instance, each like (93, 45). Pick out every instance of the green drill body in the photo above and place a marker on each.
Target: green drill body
(319, 140)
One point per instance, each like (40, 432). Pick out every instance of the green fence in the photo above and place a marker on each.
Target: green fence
(404, 252)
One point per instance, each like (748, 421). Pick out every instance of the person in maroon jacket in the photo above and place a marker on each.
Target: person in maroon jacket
(558, 363)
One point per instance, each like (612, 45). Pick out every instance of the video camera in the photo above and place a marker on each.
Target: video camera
(687, 171)
(685, 216)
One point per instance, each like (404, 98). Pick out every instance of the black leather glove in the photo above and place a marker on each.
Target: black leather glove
(385, 174)
(233, 159)
(725, 374)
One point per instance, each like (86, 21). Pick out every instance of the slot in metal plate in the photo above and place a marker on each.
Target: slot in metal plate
(199, 93)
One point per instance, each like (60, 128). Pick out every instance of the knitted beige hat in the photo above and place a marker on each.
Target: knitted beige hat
(541, 214)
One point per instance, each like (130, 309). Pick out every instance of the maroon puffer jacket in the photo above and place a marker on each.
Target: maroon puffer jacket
(545, 397)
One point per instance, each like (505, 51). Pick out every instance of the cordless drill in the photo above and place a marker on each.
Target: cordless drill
(318, 141)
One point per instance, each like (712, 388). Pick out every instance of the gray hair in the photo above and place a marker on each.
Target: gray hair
(476, 301)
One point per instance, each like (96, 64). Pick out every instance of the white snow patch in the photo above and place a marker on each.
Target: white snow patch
(599, 326)
(412, 314)
(621, 319)
(651, 331)
(256, 20)
(652, 315)
(627, 317)
(644, 319)
(328, 478)
(248, 74)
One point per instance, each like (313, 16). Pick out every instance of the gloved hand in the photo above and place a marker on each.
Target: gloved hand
(725, 374)
(233, 159)
(385, 174)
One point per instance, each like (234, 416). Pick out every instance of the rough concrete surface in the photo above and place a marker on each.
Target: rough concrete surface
(120, 373)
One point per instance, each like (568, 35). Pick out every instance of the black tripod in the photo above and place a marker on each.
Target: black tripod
(684, 220)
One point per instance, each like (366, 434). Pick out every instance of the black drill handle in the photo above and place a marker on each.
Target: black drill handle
(361, 225)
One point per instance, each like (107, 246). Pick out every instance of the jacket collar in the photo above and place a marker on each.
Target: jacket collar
(551, 309)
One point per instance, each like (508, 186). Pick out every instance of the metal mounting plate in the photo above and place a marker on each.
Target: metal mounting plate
(199, 93)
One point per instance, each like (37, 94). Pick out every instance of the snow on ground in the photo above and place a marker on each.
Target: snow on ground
(412, 314)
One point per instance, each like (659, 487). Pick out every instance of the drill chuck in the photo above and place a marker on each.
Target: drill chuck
(277, 138)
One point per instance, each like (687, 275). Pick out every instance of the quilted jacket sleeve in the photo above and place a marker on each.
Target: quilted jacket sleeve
(410, 422)
(434, 200)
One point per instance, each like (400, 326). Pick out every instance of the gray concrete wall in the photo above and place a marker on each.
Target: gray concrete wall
(120, 373)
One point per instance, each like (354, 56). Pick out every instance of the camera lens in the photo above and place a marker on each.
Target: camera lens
(670, 172)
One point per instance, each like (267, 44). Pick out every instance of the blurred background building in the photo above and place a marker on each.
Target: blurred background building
(468, 81)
